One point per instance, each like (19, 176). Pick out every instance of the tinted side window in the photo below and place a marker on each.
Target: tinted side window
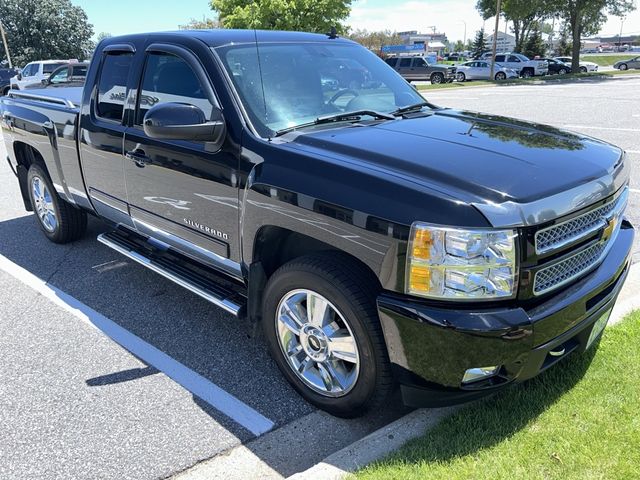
(112, 85)
(50, 67)
(500, 58)
(405, 63)
(79, 71)
(391, 61)
(419, 62)
(168, 78)
(513, 58)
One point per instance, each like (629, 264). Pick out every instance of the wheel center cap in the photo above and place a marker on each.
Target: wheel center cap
(314, 343)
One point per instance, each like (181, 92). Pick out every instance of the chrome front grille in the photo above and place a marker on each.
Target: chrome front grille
(557, 236)
(605, 218)
(567, 270)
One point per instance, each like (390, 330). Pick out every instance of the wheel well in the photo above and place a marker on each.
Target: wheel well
(275, 246)
(26, 156)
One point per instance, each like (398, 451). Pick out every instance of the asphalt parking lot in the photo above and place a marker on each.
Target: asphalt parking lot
(189, 382)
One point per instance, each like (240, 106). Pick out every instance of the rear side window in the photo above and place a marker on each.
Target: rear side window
(79, 71)
(405, 62)
(50, 67)
(168, 78)
(112, 86)
(500, 58)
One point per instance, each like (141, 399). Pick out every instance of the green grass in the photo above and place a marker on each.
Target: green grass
(579, 420)
(536, 80)
(608, 60)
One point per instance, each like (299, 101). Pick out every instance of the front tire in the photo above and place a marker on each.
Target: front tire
(461, 77)
(501, 76)
(322, 329)
(437, 78)
(624, 66)
(59, 221)
(527, 73)
(562, 71)
(583, 69)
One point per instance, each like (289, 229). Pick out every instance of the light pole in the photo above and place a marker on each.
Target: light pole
(464, 42)
(622, 19)
(6, 46)
(495, 39)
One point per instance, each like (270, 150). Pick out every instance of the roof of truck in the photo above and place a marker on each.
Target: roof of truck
(221, 36)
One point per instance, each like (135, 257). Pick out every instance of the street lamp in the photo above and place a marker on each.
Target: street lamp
(622, 19)
(464, 42)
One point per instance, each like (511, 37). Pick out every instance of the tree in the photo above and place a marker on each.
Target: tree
(458, 46)
(103, 35)
(374, 40)
(45, 29)
(585, 17)
(303, 15)
(523, 14)
(204, 24)
(534, 45)
(564, 46)
(479, 44)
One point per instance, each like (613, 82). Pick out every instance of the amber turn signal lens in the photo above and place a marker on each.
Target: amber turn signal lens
(420, 278)
(422, 243)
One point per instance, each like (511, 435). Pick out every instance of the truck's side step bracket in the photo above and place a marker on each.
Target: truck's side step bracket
(178, 268)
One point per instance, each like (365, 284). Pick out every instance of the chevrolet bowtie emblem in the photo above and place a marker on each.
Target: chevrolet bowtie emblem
(609, 229)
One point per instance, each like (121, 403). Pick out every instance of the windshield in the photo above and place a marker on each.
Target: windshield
(285, 85)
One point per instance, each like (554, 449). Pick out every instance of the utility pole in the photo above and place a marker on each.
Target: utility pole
(6, 46)
(495, 39)
(622, 19)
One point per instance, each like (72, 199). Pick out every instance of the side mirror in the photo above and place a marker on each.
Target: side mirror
(19, 76)
(44, 82)
(181, 121)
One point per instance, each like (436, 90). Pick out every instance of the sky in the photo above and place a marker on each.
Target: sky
(448, 16)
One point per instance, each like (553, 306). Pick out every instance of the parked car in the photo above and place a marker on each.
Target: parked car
(5, 79)
(584, 66)
(455, 57)
(557, 67)
(418, 68)
(379, 240)
(481, 70)
(521, 64)
(627, 64)
(35, 72)
(73, 74)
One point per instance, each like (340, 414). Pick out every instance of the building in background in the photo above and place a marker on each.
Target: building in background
(504, 43)
(433, 42)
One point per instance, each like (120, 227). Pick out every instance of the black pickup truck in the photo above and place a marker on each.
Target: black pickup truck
(379, 239)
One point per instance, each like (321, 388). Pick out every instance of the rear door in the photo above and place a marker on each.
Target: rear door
(182, 193)
(102, 133)
(404, 67)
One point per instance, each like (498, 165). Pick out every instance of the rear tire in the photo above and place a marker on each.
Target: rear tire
(60, 221)
(501, 76)
(583, 69)
(527, 73)
(5, 91)
(624, 66)
(562, 71)
(345, 383)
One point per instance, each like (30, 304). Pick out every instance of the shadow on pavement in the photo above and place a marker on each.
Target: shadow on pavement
(215, 345)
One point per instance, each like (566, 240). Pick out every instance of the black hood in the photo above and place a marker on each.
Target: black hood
(473, 157)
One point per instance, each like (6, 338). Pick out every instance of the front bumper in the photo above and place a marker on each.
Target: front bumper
(431, 347)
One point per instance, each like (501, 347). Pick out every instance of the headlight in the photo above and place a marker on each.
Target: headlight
(450, 263)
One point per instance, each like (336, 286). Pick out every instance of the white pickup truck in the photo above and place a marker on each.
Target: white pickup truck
(521, 64)
(33, 73)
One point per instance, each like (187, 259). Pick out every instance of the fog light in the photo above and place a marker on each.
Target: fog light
(479, 373)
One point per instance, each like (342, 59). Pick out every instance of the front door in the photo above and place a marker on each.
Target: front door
(180, 192)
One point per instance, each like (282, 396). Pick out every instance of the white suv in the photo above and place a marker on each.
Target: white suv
(35, 72)
(521, 64)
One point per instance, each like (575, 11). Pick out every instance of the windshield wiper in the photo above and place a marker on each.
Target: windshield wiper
(338, 117)
(411, 108)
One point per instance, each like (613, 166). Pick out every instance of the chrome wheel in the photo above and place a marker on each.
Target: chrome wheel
(43, 204)
(317, 343)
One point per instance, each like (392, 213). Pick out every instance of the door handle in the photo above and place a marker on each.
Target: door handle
(139, 158)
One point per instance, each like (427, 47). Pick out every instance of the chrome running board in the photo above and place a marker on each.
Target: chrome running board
(172, 266)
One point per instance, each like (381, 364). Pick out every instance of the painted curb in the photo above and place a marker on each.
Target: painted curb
(386, 440)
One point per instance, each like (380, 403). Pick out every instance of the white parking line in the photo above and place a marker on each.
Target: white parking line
(187, 378)
(591, 127)
(633, 151)
(634, 190)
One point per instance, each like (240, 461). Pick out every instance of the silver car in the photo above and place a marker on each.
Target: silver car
(481, 70)
(627, 64)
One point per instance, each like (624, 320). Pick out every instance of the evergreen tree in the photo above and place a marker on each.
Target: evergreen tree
(479, 44)
(534, 45)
